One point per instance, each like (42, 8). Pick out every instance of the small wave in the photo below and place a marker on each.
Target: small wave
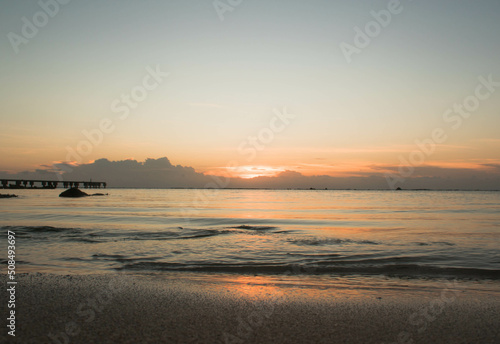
(213, 267)
(103, 255)
(442, 243)
(101, 236)
(84, 240)
(38, 229)
(111, 258)
(5, 261)
(392, 270)
(329, 241)
(45, 229)
(254, 228)
(169, 235)
(43, 233)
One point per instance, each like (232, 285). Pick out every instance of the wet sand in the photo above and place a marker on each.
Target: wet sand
(177, 308)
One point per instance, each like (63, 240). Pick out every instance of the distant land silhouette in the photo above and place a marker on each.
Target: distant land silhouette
(161, 173)
(8, 196)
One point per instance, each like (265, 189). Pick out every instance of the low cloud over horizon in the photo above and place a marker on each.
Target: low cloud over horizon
(161, 173)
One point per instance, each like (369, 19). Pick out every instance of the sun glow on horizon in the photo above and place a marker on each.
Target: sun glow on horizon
(249, 172)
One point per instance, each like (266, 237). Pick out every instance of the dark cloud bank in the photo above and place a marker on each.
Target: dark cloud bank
(160, 173)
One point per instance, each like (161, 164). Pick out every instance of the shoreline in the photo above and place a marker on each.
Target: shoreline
(201, 308)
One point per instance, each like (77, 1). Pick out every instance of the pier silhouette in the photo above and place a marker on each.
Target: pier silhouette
(48, 184)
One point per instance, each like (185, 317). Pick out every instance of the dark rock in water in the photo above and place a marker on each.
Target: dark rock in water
(399, 189)
(99, 194)
(73, 192)
(7, 196)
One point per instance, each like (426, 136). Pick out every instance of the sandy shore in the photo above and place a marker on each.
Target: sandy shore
(176, 309)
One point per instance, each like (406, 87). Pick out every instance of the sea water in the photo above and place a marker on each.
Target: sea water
(415, 234)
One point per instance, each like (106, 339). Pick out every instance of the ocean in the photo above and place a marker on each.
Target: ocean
(329, 233)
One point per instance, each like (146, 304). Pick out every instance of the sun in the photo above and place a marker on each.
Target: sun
(249, 172)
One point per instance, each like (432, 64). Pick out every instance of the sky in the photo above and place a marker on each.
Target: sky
(398, 91)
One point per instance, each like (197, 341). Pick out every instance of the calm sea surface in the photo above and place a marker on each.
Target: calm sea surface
(330, 233)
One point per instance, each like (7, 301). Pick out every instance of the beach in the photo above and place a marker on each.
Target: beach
(196, 308)
(266, 172)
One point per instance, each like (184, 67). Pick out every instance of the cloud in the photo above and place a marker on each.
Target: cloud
(493, 166)
(161, 173)
(152, 173)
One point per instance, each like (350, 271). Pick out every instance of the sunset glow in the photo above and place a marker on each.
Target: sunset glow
(284, 95)
(250, 171)
(247, 172)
